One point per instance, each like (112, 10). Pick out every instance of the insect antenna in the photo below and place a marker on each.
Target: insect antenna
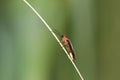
(57, 33)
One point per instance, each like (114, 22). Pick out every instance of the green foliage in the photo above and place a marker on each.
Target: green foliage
(29, 52)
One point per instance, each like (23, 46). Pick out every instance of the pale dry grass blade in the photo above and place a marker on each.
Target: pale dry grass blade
(40, 17)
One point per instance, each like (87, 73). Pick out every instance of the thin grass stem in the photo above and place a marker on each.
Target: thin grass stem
(51, 31)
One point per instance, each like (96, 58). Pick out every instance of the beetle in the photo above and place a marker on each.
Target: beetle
(68, 45)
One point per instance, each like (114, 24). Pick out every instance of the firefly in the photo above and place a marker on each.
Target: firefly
(67, 44)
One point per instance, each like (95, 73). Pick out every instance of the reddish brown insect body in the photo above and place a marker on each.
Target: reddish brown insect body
(68, 46)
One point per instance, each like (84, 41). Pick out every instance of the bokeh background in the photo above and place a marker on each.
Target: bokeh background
(28, 51)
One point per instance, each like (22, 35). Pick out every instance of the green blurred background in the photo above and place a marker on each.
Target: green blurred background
(28, 51)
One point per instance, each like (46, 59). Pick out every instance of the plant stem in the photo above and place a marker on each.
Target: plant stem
(51, 31)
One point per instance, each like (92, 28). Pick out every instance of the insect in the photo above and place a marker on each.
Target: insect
(67, 44)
